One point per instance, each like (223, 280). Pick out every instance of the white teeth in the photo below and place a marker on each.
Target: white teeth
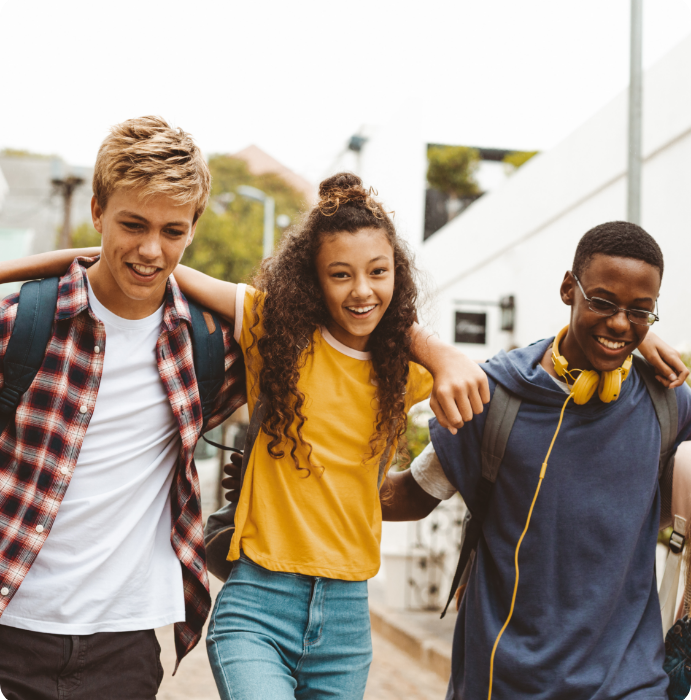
(610, 344)
(361, 309)
(144, 269)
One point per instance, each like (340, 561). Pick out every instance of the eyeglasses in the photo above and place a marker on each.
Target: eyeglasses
(602, 307)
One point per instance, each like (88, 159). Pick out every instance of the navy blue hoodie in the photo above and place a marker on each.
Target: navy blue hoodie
(587, 624)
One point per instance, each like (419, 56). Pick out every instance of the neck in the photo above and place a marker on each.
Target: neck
(114, 299)
(571, 350)
(355, 342)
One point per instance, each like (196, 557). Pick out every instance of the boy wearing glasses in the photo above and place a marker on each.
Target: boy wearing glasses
(586, 622)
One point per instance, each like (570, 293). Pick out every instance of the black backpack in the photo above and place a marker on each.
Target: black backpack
(501, 415)
(33, 329)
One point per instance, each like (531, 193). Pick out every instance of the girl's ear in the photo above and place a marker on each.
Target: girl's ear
(567, 289)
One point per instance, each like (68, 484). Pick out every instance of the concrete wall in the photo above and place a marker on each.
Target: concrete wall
(520, 238)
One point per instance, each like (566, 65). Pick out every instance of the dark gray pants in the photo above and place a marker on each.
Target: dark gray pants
(102, 666)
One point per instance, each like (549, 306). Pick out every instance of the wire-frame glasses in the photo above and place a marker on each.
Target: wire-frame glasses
(602, 307)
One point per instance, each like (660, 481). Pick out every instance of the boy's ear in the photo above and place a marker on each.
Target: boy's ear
(96, 214)
(568, 289)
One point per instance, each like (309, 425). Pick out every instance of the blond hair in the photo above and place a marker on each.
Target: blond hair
(151, 156)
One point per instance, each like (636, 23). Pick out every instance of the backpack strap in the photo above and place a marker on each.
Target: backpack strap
(209, 356)
(501, 416)
(665, 404)
(27, 346)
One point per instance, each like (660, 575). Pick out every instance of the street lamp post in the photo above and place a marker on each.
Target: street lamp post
(635, 114)
(269, 211)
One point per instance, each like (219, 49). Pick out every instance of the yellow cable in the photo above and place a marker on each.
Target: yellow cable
(518, 546)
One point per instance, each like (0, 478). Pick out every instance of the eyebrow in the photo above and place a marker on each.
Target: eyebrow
(138, 217)
(379, 257)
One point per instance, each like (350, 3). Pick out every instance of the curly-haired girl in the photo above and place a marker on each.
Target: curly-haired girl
(326, 333)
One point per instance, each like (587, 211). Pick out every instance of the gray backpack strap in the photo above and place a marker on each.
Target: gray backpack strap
(665, 404)
(220, 526)
(501, 415)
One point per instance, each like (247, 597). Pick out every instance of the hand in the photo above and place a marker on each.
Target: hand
(232, 481)
(460, 389)
(669, 367)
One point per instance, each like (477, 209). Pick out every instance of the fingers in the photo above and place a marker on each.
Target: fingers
(681, 378)
(679, 371)
(230, 483)
(456, 404)
(232, 496)
(440, 415)
(233, 470)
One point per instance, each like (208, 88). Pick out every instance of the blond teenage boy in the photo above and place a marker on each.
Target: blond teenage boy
(100, 519)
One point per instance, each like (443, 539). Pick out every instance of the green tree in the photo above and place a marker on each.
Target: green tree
(228, 242)
(85, 236)
(518, 158)
(451, 169)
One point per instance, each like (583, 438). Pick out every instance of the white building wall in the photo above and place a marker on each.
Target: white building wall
(520, 239)
(393, 161)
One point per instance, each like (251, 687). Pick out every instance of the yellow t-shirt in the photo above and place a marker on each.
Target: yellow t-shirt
(329, 523)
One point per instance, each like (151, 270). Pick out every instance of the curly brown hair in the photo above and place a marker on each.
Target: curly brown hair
(294, 307)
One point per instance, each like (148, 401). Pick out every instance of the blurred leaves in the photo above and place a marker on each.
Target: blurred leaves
(451, 169)
(518, 158)
(228, 241)
(85, 236)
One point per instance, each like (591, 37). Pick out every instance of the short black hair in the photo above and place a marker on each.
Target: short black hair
(618, 239)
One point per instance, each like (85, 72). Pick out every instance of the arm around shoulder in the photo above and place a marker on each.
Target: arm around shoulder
(52, 264)
(207, 291)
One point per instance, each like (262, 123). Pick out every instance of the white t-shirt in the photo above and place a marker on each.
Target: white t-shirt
(108, 564)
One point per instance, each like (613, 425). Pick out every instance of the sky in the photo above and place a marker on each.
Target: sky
(298, 78)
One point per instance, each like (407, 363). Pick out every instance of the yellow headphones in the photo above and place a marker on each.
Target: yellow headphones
(608, 384)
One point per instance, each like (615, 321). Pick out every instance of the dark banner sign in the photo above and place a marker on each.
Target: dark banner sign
(471, 327)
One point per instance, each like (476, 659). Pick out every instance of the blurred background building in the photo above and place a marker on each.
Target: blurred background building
(498, 261)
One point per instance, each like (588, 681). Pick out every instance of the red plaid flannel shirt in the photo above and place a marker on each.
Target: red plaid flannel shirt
(49, 428)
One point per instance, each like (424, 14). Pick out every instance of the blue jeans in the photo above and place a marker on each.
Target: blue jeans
(678, 659)
(276, 635)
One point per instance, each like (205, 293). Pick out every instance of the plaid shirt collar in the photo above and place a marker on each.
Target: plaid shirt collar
(73, 296)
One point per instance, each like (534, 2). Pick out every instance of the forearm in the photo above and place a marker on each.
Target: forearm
(402, 498)
(209, 292)
(427, 350)
(42, 265)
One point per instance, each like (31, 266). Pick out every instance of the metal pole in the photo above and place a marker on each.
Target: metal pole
(635, 114)
(269, 208)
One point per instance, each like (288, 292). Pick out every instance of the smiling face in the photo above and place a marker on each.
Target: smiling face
(356, 275)
(604, 343)
(143, 239)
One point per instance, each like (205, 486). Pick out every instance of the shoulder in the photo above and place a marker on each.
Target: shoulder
(467, 440)
(419, 384)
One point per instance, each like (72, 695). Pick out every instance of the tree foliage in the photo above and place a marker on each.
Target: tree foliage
(518, 158)
(85, 236)
(451, 169)
(228, 243)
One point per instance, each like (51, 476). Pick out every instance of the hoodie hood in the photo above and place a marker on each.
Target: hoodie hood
(521, 373)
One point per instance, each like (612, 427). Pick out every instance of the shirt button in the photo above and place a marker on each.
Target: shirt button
(5, 591)
(97, 349)
(39, 528)
(82, 409)
(64, 470)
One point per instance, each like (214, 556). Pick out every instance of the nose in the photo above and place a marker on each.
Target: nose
(619, 323)
(361, 287)
(150, 247)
